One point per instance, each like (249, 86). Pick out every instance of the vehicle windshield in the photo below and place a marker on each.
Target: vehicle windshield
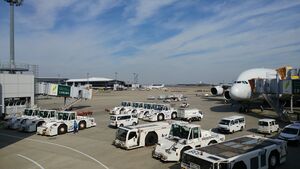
(288, 130)
(225, 122)
(147, 106)
(121, 134)
(263, 123)
(159, 107)
(43, 114)
(135, 104)
(179, 131)
(113, 118)
(28, 112)
(35, 113)
(62, 116)
(196, 162)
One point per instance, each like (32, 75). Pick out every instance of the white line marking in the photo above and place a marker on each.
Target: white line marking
(45, 142)
(41, 167)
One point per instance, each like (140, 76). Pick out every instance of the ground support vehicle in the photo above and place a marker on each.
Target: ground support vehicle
(141, 113)
(136, 108)
(65, 123)
(160, 113)
(184, 136)
(245, 152)
(30, 125)
(232, 124)
(190, 114)
(291, 133)
(15, 121)
(123, 120)
(131, 137)
(125, 105)
(267, 126)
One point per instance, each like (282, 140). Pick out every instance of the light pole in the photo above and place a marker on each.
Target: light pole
(88, 76)
(12, 3)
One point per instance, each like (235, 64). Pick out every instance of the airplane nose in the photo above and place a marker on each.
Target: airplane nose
(236, 93)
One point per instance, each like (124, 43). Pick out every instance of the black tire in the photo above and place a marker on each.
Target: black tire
(273, 160)
(121, 125)
(82, 125)
(62, 129)
(190, 120)
(242, 128)
(199, 119)
(151, 139)
(239, 165)
(39, 124)
(160, 117)
(183, 150)
(174, 115)
(134, 123)
(212, 142)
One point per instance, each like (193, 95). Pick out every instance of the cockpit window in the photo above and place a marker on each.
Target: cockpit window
(244, 82)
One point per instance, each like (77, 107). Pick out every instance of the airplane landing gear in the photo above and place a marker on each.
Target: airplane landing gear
(244, 109)
(261, 108)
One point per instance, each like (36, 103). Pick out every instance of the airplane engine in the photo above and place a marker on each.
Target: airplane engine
(217, 90)
(227, 95)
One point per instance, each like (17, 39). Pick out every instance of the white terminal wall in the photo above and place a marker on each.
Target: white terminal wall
(16, 85)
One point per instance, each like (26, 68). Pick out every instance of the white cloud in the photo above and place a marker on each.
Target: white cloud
(44, 13)
(147, 8)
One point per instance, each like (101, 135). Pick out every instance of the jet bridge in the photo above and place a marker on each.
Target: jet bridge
(72, 94)
(285, 86)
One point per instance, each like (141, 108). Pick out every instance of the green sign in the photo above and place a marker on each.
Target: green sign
(64, 91)
(296, 87)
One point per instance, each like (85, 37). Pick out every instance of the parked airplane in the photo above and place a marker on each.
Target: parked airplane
(240, 91)
(155, 86)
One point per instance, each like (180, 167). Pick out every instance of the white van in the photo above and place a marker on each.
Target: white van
(123, 120)
(267, 126)
(232, 124)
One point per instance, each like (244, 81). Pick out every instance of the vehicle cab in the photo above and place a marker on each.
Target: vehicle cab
(184, 136)
(232, 124)
(145, 110)
(31, 125)
(267, 126)
(126, 137)
(125, 105)
(15, 122)
(291, 133)
(161, 112)
(123, 120)
(137, 107)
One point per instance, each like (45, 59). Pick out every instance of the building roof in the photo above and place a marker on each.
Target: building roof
(91, 79)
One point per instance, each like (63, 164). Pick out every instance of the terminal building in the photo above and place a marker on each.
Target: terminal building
(96, 82)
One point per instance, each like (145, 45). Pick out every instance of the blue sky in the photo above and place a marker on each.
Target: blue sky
(164, 41)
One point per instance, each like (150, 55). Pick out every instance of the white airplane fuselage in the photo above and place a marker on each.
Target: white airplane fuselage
(241, 90)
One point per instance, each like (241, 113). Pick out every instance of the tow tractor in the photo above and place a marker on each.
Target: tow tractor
(15, 121)
(124, 107)
(245, 152)
(65, 123)
(184, 136)
(161, 112)
(131, 137)
(30, 125)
